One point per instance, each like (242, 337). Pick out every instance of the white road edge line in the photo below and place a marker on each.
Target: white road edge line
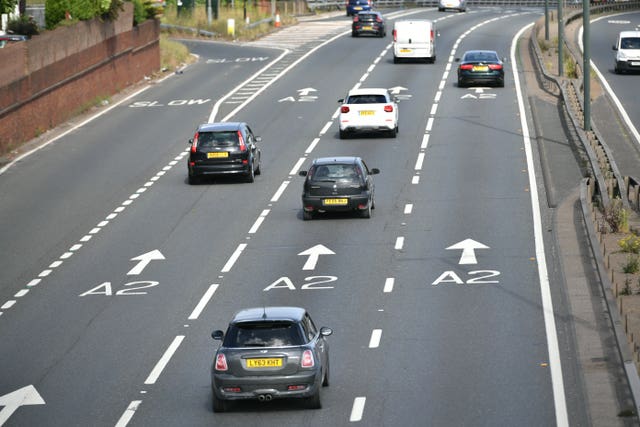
(164, 360)
(128, 413)
(203, 302)
(358, 409)
(555, 363)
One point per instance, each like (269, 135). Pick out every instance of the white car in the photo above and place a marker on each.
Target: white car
(368, 110)
(459, 5)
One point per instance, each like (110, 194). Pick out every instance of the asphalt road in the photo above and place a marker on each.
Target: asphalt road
(420, 337)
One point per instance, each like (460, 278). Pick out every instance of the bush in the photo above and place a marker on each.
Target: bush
(616, 216)
(630, 244)
(24, 25)
(84, 9)
(139, 12)
(632, 266)
(55, 12)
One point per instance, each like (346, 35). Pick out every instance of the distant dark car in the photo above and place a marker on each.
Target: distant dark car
(270, 353)
(480, 66)
(338, 184)
(11, 38)
(219, 149)
(355, 6)
(368, 23)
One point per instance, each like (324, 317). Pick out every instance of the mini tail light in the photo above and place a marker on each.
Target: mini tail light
(388, 108)
(243, 146)
(296, 387)
(221, 363)
(466, 66)
(495, 66)
(307, 359)
(344, 109)
(194, 145)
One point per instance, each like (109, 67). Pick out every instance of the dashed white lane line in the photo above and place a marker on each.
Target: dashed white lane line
(294, 170)
(399, 243)
(279, 192)
(388, 285)
(203, 302)
(234, 257)
(419, 161)
(259, 220)
(429, 124)
(312, 145)
(358, 409)
(21, 293)
(326, 127)
(374, 341)
(415, 180)
(408, 208)
(34, 282)
(425, 142)
(164, 360)
(128, 413)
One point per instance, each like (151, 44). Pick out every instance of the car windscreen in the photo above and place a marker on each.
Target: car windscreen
(366, 99)
(630, 43)
(263, 334)
(217, 139)
(335, 172)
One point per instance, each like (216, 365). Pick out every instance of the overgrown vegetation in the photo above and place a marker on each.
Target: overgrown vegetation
(616, 217)
(59, 11)
(630, 244)
(172, 53)
(24, 25)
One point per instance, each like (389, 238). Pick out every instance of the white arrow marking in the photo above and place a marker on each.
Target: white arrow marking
(306, 91)
(314, 253)
(397, 89)
(145, 259)
(468, 247)
(25, 396)
(467, 96)
(288, 99)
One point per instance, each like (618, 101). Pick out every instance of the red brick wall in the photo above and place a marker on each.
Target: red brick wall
(49, 78)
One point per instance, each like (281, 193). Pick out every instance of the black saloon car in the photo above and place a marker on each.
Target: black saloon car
(224, 149)
(369, 22)
(480, 66)
(270, 353)
(338, 184)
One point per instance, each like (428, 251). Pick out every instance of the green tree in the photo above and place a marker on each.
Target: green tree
(84, 9)
(54, 12)
(7, 6)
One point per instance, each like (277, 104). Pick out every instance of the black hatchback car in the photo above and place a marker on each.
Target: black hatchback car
(270, 353)
(338, 184)
(224, 149)
(480, 66)
(369, 22)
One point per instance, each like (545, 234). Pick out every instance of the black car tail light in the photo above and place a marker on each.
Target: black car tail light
(194, 145)
(466, 66)
(232, 389)
(495, 66)
(221, 363)
(344, 109)
(355, 18)
(388, 108)
(243, 146)
(307, 359)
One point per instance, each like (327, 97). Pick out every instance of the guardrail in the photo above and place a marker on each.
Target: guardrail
(329, 5)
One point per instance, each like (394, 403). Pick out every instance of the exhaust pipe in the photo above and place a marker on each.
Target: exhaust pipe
(268, 397)
(261, 397)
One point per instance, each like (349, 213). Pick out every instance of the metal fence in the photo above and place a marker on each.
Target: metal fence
(337, 5)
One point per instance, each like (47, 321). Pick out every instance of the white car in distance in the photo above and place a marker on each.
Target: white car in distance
(368, 110)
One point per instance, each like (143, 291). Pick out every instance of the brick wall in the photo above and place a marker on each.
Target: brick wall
(49, 78)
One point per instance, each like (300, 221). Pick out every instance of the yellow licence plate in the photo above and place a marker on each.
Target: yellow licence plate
(335, 202)
(405, 50)
(217, 155)
(264, 363)
(367, 112)
(480, 68)
(367, 27)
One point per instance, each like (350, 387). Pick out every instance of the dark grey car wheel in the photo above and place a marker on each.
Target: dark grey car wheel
(218, 404)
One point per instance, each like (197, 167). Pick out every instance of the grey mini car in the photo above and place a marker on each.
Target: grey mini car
(270, 353)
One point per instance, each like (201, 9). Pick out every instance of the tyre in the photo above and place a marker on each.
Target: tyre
(313, 402)
(354, 34)
(193, 180)
(500, 83)
(218, 404)
(258, 169)
(325, 380)
(251, 176)
(366, 213)
(461, 83)
(393, 132)
(343, 134)
(307, 216)
(395, 59)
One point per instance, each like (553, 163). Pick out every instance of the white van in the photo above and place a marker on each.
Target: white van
(414, 39)
(627, 49)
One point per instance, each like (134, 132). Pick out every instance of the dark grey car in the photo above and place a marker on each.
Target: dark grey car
(270, 353)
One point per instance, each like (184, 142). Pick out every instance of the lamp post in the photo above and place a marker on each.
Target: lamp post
(586, 67)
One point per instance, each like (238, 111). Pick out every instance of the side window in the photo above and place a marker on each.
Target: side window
(365, 172)
(309, 327)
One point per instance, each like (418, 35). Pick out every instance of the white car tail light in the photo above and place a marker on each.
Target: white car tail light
(221, 363)
(307, 359)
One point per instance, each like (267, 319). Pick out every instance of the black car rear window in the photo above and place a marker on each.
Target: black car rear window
(367, 16)
(481, 57)
(263, 334)
(335, 172)
(366, 99)
(217, 139)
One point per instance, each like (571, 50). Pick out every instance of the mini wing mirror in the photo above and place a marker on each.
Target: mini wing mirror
(302, 173)
(325, 332)
(217, 335)
(375, 171)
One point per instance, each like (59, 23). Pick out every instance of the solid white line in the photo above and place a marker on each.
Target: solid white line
(312, 145)
(279, 192)
(419, 161)
(358, 409)
(294, 170)
(374, 341)
(408, 208)
(388, 285)
(399, 243)
(128, 413)
(234, 257)
(164, 360)
(203, 302)
(547, 303)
